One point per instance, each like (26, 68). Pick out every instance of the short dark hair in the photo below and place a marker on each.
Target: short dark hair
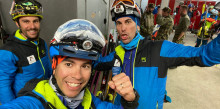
(150, 5)
(184, 7)
(166, 9)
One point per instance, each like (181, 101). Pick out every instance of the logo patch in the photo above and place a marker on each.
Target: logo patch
(31, 59)
(143, 59)
(42, 51)
(117, 63)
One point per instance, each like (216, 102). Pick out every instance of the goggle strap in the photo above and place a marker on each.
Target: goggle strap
(124, 3)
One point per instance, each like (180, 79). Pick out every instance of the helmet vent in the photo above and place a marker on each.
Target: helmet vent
(92, 55)
(68, 51)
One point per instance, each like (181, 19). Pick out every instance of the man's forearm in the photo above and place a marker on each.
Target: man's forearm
(181, 35)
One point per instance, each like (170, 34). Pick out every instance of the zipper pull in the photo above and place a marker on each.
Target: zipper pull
(130, 55)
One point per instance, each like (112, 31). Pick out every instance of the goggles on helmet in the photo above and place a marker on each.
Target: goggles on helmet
(125, 2)
(124, 7)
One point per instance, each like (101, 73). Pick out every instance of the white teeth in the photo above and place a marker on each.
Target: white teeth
(31, 31)
(73, 84)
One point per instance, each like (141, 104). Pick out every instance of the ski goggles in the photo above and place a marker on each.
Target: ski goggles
(125, 2)
(123, 9)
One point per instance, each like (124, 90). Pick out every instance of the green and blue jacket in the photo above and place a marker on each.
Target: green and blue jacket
(21, 60)
(38, 94)
(149, 62)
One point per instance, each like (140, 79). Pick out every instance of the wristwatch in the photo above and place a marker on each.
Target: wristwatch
(131, 104)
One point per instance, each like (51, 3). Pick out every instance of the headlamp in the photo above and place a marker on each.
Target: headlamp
(122, 7)
(119, 9)
(87, 45)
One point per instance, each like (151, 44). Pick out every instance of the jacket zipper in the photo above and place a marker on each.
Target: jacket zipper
(130, 58)
(38, 54)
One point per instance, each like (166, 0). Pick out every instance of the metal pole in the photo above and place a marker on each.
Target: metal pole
(203, 26)
(86, 9)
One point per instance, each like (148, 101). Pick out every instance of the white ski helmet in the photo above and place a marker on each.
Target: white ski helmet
(77, 38)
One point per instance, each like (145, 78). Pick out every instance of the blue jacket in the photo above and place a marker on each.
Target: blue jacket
(151, 62)
(38, 94)
(208, 15)
(21, 60)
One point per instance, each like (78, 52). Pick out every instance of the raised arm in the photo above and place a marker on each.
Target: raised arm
(179, 54)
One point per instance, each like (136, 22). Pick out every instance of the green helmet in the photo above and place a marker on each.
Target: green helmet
(26, 8)
(211, 7)
(166, 9)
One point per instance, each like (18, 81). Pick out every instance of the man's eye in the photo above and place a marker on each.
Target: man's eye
(117, 23)
(26, 22)
(36, 21)
(128, 22)
(86, 66)
(68, 64)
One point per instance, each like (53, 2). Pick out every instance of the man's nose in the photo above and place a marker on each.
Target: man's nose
(76, 72)
(123, 27)
(32, 25)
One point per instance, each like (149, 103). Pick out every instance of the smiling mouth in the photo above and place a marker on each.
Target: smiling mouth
(73, 84)
(32, 31)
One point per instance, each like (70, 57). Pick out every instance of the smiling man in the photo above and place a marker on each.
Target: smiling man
(76, 44)
(25, 54)
(29, 27)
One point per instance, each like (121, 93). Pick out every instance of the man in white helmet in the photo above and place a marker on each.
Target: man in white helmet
(76, 44)
(146, 62)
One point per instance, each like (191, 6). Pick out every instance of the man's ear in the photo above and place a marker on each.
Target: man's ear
(16, 22)
(54, 72)
(138, 28)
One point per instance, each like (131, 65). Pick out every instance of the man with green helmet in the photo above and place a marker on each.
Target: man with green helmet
(25, 54)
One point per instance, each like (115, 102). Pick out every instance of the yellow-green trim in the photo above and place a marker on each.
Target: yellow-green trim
(97, 94)
(38, 54)
(120, 52)
(87, 99)
(134, 61)
(19, 36)
(27, 15)
(44, 88)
